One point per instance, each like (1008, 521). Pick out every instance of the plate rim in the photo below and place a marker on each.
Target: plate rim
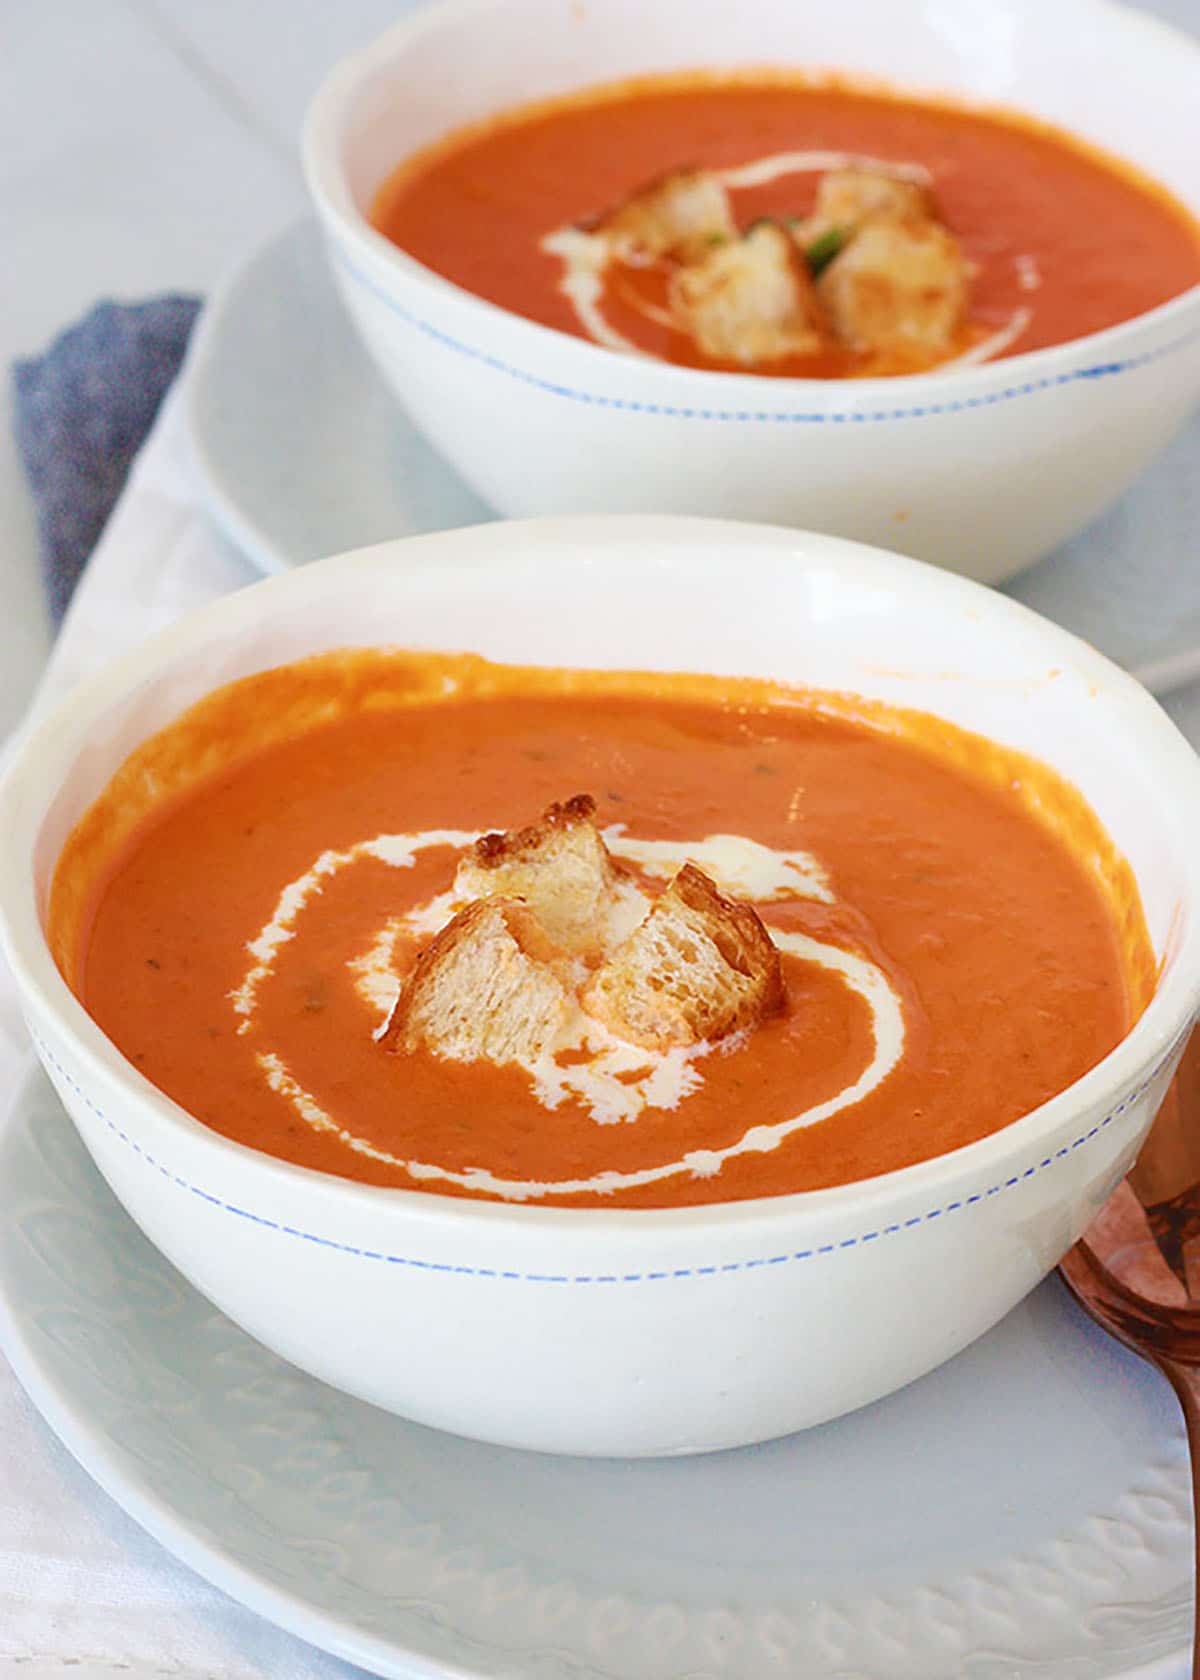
(203, 351)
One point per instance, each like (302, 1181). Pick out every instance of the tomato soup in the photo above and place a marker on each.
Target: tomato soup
(1052, 240)
(959, 941)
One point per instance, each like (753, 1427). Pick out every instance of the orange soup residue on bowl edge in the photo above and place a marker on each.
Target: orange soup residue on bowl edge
(232, 912)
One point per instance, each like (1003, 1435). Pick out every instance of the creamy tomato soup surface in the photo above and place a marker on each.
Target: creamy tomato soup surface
(784, 224)
(951, 937)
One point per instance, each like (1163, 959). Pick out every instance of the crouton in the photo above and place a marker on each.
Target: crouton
(483, 989)
(682, 214)
(897, 286)
(750, 300)
(701, 966)
(560, 867)
(848, 197)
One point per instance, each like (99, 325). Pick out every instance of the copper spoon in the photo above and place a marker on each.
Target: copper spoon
(1136, 1269)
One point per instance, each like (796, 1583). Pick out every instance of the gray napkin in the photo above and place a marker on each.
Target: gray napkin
(83, 408)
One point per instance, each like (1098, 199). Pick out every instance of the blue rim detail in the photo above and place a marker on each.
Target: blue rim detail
(611, 1277)
(921, 411)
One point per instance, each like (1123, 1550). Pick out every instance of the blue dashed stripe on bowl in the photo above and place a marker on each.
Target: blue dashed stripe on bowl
(800, 417)
(786, 1258)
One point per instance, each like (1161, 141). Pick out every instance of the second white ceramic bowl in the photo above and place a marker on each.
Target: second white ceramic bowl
(635, 1331)
(981, 469)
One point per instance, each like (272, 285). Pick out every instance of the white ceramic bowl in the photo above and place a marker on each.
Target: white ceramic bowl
(610, 1331)
(981, 470)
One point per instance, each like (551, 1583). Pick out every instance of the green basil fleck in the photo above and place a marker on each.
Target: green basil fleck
(824, 248)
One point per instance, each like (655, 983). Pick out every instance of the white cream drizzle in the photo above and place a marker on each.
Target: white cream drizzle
(602, 1083)
(424, 920)
(993, 344)
(585, 257)
(399, 850)
(738, 865)
(1029, 274)
(619, 1080)
(764, 170)
(374, 971)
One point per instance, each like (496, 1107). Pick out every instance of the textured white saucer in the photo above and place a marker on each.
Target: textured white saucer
(1023, 1510)
(303, 452)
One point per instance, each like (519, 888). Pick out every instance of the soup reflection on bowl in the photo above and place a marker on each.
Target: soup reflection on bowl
(607, 1031)
(710, 262)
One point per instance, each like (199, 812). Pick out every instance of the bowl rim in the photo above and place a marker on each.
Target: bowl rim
(48, 745)
(328, 189)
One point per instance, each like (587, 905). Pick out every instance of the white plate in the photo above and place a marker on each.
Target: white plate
(303, 452)
(1022, 1511)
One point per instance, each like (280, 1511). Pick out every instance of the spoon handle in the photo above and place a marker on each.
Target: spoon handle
(1185, 1380)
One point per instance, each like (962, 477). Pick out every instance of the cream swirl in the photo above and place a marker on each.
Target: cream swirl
(615, 1082)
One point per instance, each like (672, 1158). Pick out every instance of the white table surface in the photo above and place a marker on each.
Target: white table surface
(145, 146)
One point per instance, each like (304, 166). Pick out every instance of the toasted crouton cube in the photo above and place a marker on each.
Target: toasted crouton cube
(751, 300)
(897, 286)
(482, 990)
(560, 867)
(701, 966)
(684, 213)
(848, 197)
